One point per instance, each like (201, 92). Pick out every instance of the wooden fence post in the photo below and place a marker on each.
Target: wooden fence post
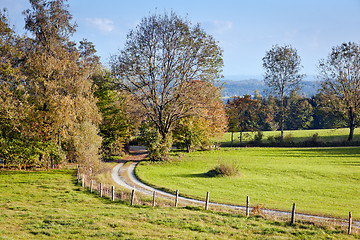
(177, 198)
(132, 197)
(247, 205)
(154, 195)
(78, 173)
(91, 185)
(350, 223)
(101, 190)
(293, 215)
(207, 201)
(113, 193)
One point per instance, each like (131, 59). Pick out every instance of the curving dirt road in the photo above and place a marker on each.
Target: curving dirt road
(124, 175)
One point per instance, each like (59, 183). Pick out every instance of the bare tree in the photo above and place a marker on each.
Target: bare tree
(282, 65)
(340, 85)
(162, 60)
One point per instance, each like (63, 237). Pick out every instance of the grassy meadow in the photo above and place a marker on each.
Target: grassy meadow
(324, 135)
(323, 181)
(49, 205)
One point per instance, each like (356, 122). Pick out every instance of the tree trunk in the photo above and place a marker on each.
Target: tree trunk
(240, 137)
(282, 119)
(41, 159)
(163, 148)
(351, 124)
(232, 138)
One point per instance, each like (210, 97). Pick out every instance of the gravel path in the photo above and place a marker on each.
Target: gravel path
(124, 175)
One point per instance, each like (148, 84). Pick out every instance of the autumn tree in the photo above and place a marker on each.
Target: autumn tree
(282, 65)
(210, 123)
(65, 115)
(243, 114)
(14, 144)
(340, 84)
(268, 114)
(161, 59)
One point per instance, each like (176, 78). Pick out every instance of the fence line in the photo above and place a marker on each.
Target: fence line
(132, 198)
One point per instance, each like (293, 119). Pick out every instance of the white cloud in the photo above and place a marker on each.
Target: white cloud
(221, 27)
(102, 24)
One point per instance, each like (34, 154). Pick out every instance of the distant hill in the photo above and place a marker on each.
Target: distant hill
(242, 87)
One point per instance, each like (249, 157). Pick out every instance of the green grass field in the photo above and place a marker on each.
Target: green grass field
(48, 205)
(325, 135)
(323, 181)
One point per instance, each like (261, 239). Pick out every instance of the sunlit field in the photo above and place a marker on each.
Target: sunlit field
(49, 205)
(323, 181)
(324, 135)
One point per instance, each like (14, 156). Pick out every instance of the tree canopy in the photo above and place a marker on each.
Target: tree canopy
(340, 85)
(52, 94)
(163, 60)
(243, 114)
(282, 65)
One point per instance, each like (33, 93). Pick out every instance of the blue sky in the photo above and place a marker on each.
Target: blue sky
(245, 29)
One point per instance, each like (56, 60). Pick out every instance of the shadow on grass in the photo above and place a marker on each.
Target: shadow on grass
(208, 174)
(354, 164)
(350, 151)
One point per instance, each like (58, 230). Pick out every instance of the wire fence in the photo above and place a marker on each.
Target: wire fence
(85, 178)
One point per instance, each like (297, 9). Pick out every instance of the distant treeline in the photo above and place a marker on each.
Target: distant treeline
(259, 113)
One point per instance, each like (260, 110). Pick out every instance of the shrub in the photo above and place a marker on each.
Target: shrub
(258, 210)
(314, 141)
(289, 138)
(158, 148)
(271, 138)
(315, 138)
(258, 136)
(278, 138)
(87, 144)
(225, 169)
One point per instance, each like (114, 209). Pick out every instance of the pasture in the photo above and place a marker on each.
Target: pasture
(49, 205)
(322, 181)
(297, 136)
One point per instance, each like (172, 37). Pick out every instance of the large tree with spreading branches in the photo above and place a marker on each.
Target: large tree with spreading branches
(164, 58)
(340, 85)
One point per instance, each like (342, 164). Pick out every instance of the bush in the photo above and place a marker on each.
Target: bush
(289, 138)
(258, 136)
(314, 141)
(158, 148)
(271, 138)
(315, 138)
(87, 143)
(278, 138)
(225, 169)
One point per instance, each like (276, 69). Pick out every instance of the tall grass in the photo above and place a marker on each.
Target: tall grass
(225, 168)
